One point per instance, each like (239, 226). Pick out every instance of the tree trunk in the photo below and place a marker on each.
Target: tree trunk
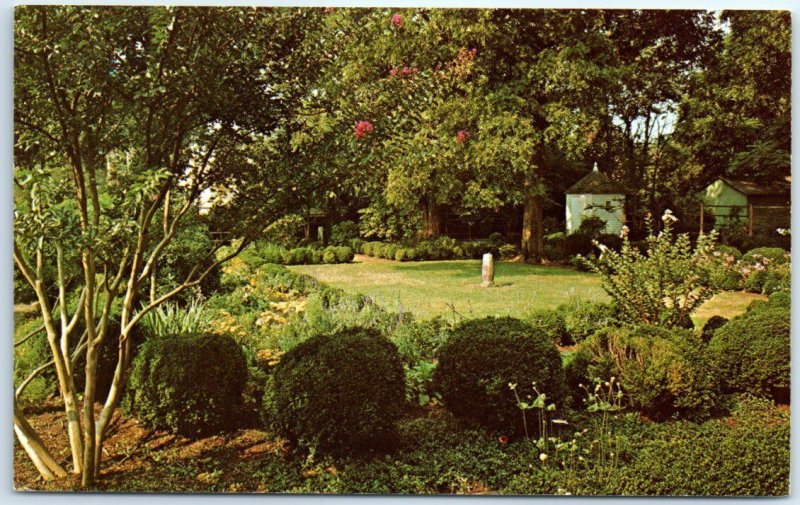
(89, 441)
(532, 245)
(432, 213)
(42, 459)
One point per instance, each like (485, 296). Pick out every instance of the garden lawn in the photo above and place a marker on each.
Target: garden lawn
(437, 288)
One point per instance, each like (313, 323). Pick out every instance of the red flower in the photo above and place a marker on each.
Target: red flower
(397, 20)
(362, 128)
(393, 71)
(503, 439)
(462, 136)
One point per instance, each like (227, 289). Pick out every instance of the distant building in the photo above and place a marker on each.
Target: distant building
(596, 195)
(756, 205)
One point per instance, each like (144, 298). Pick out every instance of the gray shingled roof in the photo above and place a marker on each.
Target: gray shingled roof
(750, 188)
(595, 182)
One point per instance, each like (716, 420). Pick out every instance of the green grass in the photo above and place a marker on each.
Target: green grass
(434, 288)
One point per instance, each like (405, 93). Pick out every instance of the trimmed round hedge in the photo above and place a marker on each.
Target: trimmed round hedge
(479, 360)
(338, 393)
(752, 353)
(190, 384)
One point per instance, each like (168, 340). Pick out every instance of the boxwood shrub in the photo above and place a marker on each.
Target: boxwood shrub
(752, 352)
(663, 372)
(337, 393)
(190, 384)
(481, 358)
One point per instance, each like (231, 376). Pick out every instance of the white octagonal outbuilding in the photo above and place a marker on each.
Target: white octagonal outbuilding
(596, 195)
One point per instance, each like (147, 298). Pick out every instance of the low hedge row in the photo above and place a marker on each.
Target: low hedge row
(260, 253)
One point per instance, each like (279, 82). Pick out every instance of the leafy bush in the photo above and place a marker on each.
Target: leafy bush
(338, 393)
(551, 323)
(711, 326)
(420, 340)
(343, 232)
(664, 286)
(190, 384)
(481, 358)
(663, 372)
(286, 231)
(419, 382)
(496, 239)
(752, 353)
(329, 256)
(267, 252)
(508, 251)
(390, 251)
(30, 355)
(583, 317)
(770, 254)
(357, 245)
(344, 254)
(592, 227)
(400, 255)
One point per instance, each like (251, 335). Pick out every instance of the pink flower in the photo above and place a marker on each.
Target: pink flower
(397, 20)
(363, 128)
(462, 136)
(503, 439)
(393, 71)
(328, 9)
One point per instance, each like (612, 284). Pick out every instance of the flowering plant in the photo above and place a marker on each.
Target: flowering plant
(397, 21)
(663, 286)
(363, 128)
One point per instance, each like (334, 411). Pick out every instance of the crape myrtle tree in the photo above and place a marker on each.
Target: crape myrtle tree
(406, 82)
(123, 118)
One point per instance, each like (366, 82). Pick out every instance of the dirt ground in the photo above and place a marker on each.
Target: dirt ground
(132, 450)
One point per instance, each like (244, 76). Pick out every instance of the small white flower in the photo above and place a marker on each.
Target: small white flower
(624, 232)
(560, 421)
(542, 457)
(668, 216)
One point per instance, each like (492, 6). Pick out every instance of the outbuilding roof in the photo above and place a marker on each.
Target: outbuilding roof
(595, 182)
(751, 188)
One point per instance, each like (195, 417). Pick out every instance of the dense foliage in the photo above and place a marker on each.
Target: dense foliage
(752, 352)
(190, 384)
(483, 356)
(338, 393)
(663, 372)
